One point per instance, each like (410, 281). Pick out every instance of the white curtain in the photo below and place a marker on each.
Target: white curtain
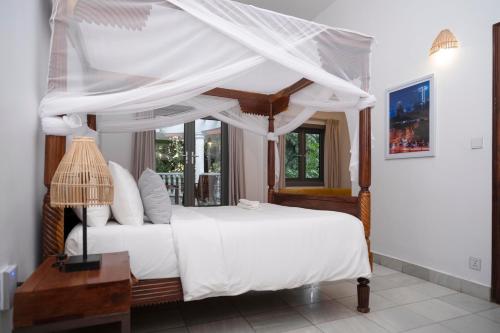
(332, 168)
(237, 187)
(143, 155)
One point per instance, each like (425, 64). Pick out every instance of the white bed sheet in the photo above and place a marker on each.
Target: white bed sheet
(150, 246)
(231, 250)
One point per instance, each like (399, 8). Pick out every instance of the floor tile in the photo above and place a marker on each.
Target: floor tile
(308, 329)
(432, 289)
(472, 323)
(416, 271)
(325, 311)
(254, 303)
(468, 303)
(377, 302)
(155, 319)
(493, 314)
(379, 270)
(358, 324)
(234, 325)
(476, 290)
(210, 309)
(339, 290)
(403, 295)
(297, 297)
(277, 321)
(398, 319)
(391, 281)
(434, 328)
(174, 330)
(445, 280)
(436, 310)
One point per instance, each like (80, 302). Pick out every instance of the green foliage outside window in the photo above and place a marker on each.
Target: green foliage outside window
(303, 155)
(312, 155)
(169, 155)
(292, 155)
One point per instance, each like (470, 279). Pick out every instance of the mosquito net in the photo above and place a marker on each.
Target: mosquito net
(146, 64)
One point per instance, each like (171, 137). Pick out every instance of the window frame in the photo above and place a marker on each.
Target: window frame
(302, 180)
(189, 148)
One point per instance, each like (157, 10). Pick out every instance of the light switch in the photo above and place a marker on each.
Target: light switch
(477, 143)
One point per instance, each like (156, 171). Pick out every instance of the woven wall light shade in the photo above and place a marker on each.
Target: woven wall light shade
(445, 40)
(82, 178)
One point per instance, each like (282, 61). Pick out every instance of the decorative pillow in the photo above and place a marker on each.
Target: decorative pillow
(97, 216)
(127, 205)
(155, 198)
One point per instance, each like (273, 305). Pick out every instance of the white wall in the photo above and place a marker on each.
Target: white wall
(434, 212)
(24, 34)
(117, 147)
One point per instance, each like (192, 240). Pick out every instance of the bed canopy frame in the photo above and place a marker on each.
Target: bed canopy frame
(57, 222)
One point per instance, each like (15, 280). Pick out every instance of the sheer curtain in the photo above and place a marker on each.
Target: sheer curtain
(143, 156)
(332, 152)
(236, 165)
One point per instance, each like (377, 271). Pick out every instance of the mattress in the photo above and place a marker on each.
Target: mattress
(220, 251)
(150, 246)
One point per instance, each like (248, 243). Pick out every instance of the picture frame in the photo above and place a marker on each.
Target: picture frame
(410, 119)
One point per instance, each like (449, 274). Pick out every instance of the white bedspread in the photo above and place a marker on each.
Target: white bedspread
(229, 250)
(150, 246)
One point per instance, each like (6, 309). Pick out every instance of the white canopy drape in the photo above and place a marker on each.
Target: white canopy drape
(122, 59)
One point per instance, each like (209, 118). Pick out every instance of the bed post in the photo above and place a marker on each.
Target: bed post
(364, 199)
(365, 173)
(270, 160)
(52, 217)
(55, 147)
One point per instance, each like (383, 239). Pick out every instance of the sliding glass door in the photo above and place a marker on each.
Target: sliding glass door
(192, 160)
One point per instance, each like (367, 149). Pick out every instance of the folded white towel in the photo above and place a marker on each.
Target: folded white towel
(250, 203)
(242, 205)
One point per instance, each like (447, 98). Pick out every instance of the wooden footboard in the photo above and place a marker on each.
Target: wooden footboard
(349, 205)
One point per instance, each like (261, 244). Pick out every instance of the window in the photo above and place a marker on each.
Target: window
(304, 156)
(192, 160)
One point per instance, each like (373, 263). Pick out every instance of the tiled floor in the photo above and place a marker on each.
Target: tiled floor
(399, 303)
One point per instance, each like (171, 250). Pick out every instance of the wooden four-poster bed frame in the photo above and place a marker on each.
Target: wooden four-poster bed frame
(57, 222)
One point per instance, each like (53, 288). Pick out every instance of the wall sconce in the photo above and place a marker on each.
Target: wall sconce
(443, 47)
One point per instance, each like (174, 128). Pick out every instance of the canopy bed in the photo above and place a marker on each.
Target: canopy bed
(130, 65)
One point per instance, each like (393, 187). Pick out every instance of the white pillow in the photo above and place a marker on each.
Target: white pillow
(155, 198)
(97, 216)
(127, 205)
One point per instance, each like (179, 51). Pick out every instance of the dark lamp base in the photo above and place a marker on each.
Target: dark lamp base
(77, 263)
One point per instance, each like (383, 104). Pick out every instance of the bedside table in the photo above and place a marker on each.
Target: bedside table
(51, 300)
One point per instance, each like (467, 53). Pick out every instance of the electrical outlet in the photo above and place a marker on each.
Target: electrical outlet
(8, 284)
(475, 263)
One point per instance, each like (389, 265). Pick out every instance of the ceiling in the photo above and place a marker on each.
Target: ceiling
(305, 9)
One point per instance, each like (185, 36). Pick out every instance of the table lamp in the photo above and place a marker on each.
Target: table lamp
(82, 179)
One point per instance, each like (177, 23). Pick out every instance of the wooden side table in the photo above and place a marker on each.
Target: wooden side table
(51, 300)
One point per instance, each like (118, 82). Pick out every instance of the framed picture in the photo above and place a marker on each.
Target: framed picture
(411, 120)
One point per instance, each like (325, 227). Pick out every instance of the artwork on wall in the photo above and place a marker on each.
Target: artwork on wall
(410, 120)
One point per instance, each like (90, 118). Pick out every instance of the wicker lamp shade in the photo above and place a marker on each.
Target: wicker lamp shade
(445, 40)
(82, 178)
